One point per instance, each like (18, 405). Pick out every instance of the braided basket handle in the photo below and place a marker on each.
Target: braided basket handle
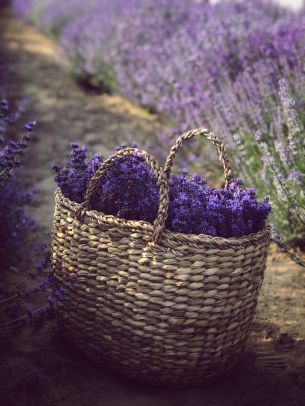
(161, 176)
(202, 132)
(159, 223)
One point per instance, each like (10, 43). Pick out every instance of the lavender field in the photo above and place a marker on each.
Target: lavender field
(80, 81)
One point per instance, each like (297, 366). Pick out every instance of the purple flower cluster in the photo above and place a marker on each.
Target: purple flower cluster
(13, 221)
(199, 46)
(15, 226)
(261, 117)
(11, 152)
(234, 212)
(129, 190)
(10, 157)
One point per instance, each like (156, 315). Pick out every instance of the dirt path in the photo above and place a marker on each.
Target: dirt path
(39, 368)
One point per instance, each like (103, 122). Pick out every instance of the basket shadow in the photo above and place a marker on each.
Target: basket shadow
(260, 377)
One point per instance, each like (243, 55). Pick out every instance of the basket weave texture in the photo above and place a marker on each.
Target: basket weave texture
(162, 307)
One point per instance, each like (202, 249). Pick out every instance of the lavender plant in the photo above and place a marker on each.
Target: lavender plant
(144, 48)
(88, 42)
(16, 302)
(163, 44)
(129, 190)
(277, 165)
(13, 222)
(263, 111)
(124, 38)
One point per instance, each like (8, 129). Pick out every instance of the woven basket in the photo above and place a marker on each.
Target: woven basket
(162, 307)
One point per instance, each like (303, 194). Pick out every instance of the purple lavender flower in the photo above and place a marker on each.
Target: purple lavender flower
(129, 190)
(14, 223)
(4, 106)
(29, 126)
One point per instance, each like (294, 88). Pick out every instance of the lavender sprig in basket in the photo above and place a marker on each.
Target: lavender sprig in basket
(166, 274)
(129, 190)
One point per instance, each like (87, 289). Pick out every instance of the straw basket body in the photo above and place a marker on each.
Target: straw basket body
(162, 307)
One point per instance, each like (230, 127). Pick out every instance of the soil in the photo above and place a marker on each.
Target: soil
(38, 367)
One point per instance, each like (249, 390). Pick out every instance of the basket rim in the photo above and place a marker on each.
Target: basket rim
(148, 228)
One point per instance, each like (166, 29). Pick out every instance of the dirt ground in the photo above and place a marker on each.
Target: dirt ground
(37, 366)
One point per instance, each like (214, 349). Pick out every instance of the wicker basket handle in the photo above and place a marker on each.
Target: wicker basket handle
(202, 132)
(159, 223)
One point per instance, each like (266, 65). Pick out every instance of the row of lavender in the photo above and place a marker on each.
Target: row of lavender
(236, 67)
(13, 221)
(15, 225)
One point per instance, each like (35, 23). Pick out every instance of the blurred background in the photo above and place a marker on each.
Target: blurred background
(294, 4)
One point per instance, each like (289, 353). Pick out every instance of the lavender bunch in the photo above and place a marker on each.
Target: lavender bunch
(196, 209)
(129, 190)
(122, 191)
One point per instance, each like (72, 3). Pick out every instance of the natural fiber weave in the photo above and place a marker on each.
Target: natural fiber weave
(163, 307)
